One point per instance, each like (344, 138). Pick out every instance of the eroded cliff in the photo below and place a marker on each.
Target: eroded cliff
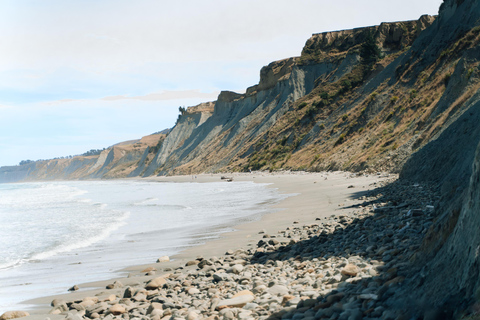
(118, 161)
(275, 123)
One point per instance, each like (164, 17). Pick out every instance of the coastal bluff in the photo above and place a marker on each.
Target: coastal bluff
(410, 106)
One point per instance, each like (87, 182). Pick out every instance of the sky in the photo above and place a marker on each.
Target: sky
(81, 75)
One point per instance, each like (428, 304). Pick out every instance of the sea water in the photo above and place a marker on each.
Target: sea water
(57, 234)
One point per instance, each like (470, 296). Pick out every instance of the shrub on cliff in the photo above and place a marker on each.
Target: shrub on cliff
(369, 52)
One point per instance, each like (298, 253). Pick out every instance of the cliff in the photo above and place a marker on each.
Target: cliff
(243, 130)
(119, 161)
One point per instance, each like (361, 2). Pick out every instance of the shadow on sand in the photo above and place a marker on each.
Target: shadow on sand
(385, 230)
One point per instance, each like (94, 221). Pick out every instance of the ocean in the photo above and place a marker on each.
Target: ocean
(54, 235)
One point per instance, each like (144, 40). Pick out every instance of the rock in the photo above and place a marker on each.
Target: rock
(77, 306)
(129, 292)
(286, 298)
(140, 297)
(13, 315)
(220, 277)
(149, 269)
(115, 285)
(71, 316)
(237, 268)
(155, 283)
(278, 290)
(117, 309)
(89, 301)
(259, 289)
(214, 303)
(98, 308)
(204, 263)
(191, 315)
(154, 306)
(193, 291)
(350, 270)
(163, 259)
(228, 315)
(273, 242)
(191, 263)
(237, 301)
(368, 296)
(74, 288)
(57, 302)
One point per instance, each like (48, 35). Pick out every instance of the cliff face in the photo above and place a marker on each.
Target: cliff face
(448, 259)
(243, 125)
(118, 161)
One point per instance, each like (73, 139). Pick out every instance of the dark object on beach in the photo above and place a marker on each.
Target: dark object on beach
(74, 288)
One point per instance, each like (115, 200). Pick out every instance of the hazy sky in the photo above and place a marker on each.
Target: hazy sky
(78, 75)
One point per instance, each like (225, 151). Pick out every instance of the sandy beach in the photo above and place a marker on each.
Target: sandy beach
(313, 197)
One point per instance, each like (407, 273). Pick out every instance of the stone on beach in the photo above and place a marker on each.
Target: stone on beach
(163, 259)
(191, 263)
(237, 301)
(115, 285)
(117, 309)
(155, 283)
(350, 270)
(74, 288)
(149, 269)
(13, 315)
(278, 290)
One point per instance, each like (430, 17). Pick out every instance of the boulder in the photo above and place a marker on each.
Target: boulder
(350, 270)
(13, 315)
(117, 309)
(163, 259)
(155, 283)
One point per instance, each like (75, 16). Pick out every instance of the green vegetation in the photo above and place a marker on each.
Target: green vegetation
(302, 105)
(92, 152)
(369, 52)
(24, 162)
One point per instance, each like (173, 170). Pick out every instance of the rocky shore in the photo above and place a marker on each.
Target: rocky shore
(347, 266)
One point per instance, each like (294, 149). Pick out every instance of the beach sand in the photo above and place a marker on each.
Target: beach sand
(313, 196)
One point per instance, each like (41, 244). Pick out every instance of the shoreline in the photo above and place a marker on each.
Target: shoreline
(314, 196)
